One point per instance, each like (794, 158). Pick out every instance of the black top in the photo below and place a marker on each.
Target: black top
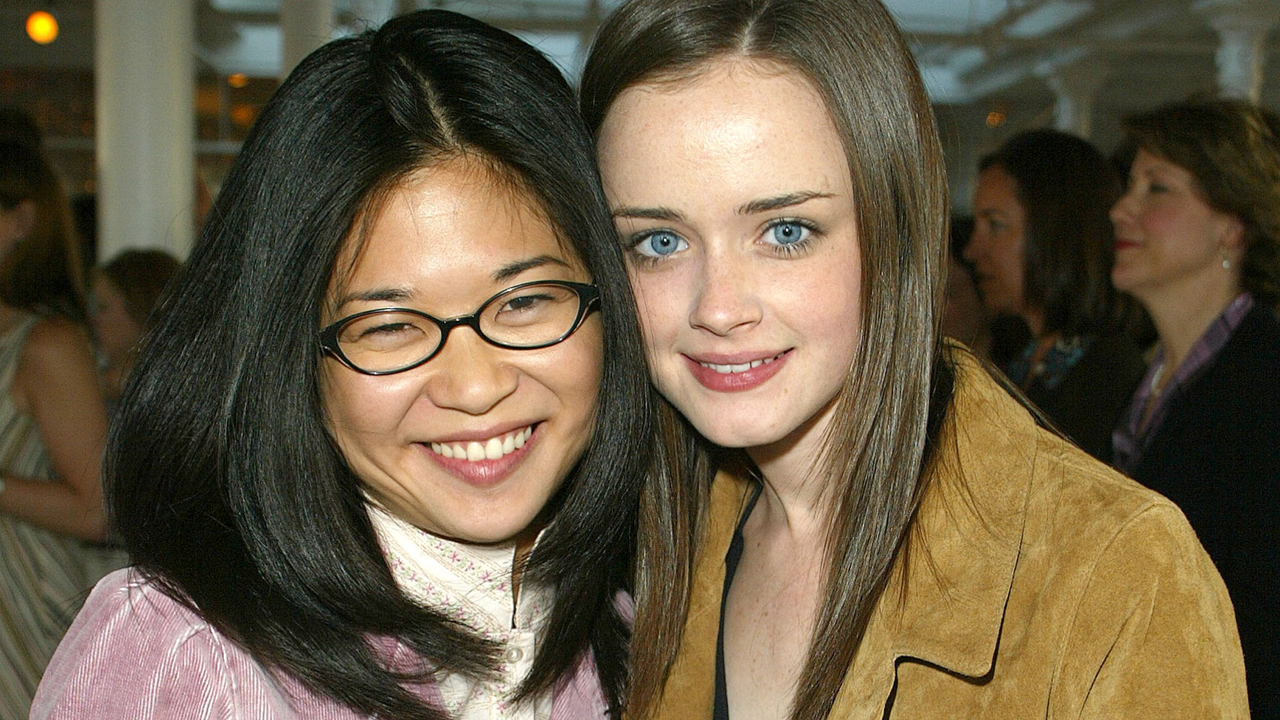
(731, 560)
(1217, 455)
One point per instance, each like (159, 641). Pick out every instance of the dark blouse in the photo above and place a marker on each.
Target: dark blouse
(731, 560)
(1216, 454)
(1084, 385)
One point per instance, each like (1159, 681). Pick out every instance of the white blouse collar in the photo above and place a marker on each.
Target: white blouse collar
(471, 584)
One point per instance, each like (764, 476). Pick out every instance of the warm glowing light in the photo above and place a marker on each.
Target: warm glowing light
(42, 27)
(243, 115)
(995, 118)
(237, 80)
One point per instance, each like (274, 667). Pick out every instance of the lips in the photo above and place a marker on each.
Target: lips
(735, 374)
(491, 449)
(484, 462)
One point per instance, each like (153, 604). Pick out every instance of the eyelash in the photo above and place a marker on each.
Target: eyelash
(633, 243)
(798, 247)
(788, 250)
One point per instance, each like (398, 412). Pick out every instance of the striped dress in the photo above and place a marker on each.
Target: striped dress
(44, 576)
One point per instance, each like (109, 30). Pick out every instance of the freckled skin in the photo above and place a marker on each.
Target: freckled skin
(734, 193)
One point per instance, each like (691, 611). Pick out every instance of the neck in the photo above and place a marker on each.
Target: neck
(7, 314)
(795, 483)
(1181, 319)
(1034, 319)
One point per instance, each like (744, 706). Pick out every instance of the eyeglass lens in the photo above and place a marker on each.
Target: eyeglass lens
(524, 316)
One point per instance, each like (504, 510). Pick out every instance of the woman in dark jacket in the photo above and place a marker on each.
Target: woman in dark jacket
(1042, 247)
(1198, 244)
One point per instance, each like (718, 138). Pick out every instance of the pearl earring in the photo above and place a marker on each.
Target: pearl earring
(1226, 262)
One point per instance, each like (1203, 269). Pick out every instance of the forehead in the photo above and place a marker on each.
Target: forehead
(996, 187)
(1145, 160)
(758, 123)
(452, 225)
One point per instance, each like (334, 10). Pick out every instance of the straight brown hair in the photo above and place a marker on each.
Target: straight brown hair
(42, 273)
(897, 391)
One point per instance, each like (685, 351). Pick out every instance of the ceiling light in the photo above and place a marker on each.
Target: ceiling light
(42, 27)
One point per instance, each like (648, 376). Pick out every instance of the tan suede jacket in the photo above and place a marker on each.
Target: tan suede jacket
(1054, 588)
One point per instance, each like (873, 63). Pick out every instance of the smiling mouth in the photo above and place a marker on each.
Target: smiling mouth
(728, 369)
(492, 449)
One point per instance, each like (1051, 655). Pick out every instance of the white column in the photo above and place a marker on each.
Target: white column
(1075, 86)
(304, 26)
(145, 87)
(1242, 27)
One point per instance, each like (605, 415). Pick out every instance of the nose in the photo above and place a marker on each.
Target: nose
(977, 241)
(470, 375)
(725, 302)
(1122, 211)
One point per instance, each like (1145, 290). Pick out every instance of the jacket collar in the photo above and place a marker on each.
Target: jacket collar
(945, 601)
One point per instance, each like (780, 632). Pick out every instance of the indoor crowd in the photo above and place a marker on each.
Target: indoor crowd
(413, 434)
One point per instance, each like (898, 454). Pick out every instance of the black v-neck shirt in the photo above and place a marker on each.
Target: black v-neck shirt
(731, 560)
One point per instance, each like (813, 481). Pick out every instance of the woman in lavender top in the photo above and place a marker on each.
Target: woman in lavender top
(1198, 244)
(380, 455)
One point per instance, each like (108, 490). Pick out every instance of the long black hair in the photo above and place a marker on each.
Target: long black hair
(222, 479)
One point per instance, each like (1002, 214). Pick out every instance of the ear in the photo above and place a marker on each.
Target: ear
(25, 214)
(1231, 235)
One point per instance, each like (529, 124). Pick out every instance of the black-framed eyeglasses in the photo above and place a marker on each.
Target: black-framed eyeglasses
(527, 316)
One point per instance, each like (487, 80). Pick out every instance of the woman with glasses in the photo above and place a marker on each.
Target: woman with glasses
(381, 453)
(890, 535)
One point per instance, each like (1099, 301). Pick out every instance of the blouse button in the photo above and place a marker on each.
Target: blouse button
(514, 655)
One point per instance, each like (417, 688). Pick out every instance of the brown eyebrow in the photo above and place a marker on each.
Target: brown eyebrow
(781, 201)
(751, 208)
(654, 213)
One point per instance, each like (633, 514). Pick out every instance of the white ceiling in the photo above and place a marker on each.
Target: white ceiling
(976, 55)
(968, 49)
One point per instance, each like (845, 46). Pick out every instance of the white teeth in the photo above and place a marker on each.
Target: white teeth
(490, 449)
(726, 369)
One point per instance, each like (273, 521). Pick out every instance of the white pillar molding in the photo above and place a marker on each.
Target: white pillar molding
(144, 66)
(304, 26)
(1075, 86)
(1242, 27)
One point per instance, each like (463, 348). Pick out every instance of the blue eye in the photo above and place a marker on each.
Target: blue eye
(787, 232)
(660, 243)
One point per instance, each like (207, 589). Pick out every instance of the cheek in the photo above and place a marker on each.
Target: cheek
(359, 411)
(663, 301)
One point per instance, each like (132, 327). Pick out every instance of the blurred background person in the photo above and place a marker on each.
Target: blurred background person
(964, 316)
(124, 292)
(17, 125)
(1198, 244)
(52, 427)
(1042, 246)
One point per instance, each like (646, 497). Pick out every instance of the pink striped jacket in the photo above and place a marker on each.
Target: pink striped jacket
(134, 652)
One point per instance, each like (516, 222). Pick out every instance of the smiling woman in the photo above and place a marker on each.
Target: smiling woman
(885, 536)
(1198, 243)
(376, 460)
